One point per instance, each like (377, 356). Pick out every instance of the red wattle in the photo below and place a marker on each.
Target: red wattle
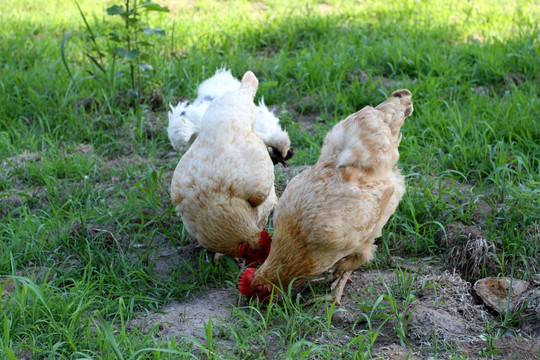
(242, 250)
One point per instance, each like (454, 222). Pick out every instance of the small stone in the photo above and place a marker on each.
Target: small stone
(495, 292)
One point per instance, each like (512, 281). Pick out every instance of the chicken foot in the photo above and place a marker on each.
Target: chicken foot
(343, 271)
(337, 282)
(339, 285)
(331, 280)
(217, 258)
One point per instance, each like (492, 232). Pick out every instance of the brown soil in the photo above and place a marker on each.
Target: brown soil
(188, 318)
(445, 313)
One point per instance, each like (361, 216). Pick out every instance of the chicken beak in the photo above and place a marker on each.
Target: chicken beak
(277, 157)
(290, 154)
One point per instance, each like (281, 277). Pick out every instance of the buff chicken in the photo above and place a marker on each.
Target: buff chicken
(331, 214)
(223, 186)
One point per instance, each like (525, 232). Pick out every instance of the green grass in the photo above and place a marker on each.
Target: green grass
(86, 188)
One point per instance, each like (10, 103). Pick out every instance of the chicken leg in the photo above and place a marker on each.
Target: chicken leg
(217, 258)
(336, 283)
(339, 285)
(344, 269)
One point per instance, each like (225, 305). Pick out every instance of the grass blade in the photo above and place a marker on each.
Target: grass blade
(63, 54)
(109, 336)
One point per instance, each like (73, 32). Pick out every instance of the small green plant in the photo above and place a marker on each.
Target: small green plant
(132, 49)
(126, 43)
(398, 307)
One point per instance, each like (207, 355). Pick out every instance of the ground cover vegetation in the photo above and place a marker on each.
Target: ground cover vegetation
(94, 263)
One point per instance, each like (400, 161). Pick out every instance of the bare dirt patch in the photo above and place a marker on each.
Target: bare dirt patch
(21, 158)
(506, 348)
(36, 274)
(395, 352)
(188, 318)
(170, 258)
(9, 202)
(447, 311)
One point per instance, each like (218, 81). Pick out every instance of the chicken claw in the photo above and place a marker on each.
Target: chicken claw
(332, 280)
(339, 286)
(317, 280)
(217, 258)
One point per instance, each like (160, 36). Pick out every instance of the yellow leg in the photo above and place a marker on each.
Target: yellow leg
(339, 285)
(217, 257)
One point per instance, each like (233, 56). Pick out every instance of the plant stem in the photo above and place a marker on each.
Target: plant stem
(137, 69)
(132, 72)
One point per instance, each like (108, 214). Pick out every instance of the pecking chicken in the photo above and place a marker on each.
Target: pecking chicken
(223, 186)
(185, 118)
(332, 213)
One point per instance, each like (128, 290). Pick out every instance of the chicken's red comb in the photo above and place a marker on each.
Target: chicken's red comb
(244, 283)
(265, 241)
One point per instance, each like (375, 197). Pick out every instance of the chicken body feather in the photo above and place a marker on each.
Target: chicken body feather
(332, 213)
(223, 186)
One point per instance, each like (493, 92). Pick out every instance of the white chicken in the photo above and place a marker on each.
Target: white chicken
(185, 118)
(223, 186)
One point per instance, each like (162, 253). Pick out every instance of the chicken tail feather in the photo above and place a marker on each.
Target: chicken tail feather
(397, 108)
(250, 83)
